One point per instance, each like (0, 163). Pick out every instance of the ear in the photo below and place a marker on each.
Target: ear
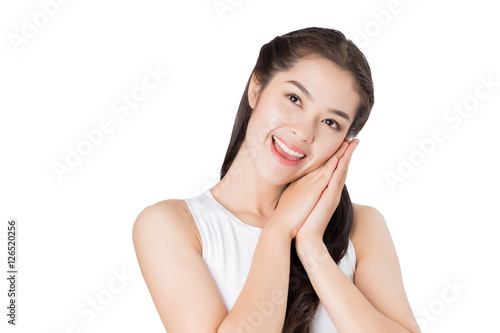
(253, 91)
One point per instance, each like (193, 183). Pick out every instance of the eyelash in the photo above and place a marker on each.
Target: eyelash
(336, 123)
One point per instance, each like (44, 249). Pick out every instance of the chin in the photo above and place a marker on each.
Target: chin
(276, 177)
(279, 179)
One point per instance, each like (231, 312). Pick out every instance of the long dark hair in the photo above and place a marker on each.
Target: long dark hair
(278, 55)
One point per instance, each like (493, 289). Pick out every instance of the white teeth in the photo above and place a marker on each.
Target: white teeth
(288, 150)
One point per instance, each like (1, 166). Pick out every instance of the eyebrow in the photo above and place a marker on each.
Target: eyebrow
(308, 94)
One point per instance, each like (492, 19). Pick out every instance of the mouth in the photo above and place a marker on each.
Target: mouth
(284, 154)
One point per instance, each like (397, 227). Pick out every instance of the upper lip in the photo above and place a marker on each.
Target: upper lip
(291, 145)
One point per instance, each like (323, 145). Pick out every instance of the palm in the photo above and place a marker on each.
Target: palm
(315, 224)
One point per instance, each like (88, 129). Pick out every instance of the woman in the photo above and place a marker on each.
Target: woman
(275, 245)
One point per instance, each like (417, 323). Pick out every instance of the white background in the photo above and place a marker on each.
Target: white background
(75, 233)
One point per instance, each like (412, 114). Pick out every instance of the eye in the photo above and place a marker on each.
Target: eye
(290, 96)
(334, 123)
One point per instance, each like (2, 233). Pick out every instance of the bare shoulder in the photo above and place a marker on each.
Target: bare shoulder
(177, 277)
(368, 224)
(378, 272)
(170, 216)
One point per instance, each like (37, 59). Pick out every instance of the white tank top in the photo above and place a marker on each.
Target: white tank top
(228, 247)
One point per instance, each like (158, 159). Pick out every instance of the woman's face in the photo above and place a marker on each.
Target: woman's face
(309, 108)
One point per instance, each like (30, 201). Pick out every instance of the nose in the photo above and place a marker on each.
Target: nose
(303, 129)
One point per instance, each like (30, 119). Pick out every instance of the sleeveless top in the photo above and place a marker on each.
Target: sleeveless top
(228, 247)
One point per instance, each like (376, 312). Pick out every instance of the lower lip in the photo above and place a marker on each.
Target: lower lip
(280, 158)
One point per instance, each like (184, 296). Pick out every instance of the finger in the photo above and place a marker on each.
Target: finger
(343, 146)
(341, 150)
(334, 187)
(331, 164)
(332, 161)
(324, 171)
(350, 149)
(345, 160)
(346, 157)
(345, 150)
(339, 172)
(343, 176)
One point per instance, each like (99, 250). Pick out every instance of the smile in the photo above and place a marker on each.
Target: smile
(286, 149)
(284, 154)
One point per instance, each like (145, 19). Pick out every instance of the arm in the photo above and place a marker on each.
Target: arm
(181, 285)
(261, 305)
(376, 302)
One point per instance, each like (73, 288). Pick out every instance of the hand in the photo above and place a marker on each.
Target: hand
(313, 228)
(299, 198)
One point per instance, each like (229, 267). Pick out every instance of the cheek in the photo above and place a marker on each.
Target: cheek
(278, 111)
(336, 147)
(330, 151)
(260, 125)
(266, 118)
(284, 113)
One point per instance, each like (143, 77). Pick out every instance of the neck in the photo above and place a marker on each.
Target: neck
(244, 193)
